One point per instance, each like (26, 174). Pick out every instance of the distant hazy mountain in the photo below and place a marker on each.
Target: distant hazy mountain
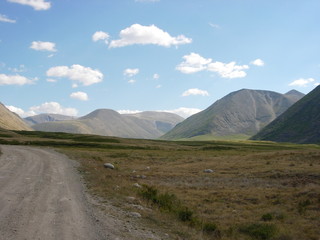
(299, 124)
(45, 117)
(110, 123)
(240, 114)
(11, 121)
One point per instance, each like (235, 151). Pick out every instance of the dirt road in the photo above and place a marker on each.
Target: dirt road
(42, 197)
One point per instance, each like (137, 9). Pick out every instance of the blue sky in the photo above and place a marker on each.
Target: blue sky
(74, 56)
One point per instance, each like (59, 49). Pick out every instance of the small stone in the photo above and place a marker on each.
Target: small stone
(208, 171)
(137, 185)
(135, 214)
(143, 176)
(108, 165)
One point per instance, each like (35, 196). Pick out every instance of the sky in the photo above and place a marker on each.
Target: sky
(72, 57)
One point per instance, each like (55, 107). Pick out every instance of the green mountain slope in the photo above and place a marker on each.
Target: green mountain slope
(11, 121)
(110, 123)
(299, 124)
(240, 114)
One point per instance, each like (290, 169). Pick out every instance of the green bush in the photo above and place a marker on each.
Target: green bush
(259, 231)
(185, 214)
(211, 229)
(267, 217)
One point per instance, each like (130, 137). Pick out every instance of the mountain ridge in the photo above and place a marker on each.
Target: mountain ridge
(299, 124)
(240, 113)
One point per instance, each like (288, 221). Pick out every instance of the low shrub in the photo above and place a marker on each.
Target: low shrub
(259, 231)
(267, 217)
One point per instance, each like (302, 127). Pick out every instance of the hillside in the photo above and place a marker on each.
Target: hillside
(240, 114)
(299, 124)
(110, 123)
(46, 117)
(11, 121)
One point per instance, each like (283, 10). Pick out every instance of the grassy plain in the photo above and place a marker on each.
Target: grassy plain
(257, 190)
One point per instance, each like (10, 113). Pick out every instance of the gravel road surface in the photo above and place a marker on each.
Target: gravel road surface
(42, 197)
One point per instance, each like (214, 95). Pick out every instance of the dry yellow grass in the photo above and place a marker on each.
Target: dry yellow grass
(247, 182)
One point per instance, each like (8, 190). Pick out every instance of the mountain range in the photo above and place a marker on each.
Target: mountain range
(11, 121)
(239, 115)
(46, 117)
(299, 124)
(110, 123)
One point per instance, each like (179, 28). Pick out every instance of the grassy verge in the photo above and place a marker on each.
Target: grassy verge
(257, 190)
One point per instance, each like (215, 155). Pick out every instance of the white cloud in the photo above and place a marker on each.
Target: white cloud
(156, 76)
(20, 68)
(128, 111)
(16, 110)
(132, 81)
(43, 46)
(36, 4)
(103, 36)
(130, 72)
(258, 62)
(138, 34)
(78, 73)
(79, 96)
(15, 80)
(195, 91)
(213, 25)
(302, 82)
(53, 107)
(159, 86)
(183, 112)
(51, 80)
(4, 18)
(228, 70)
(195, 63)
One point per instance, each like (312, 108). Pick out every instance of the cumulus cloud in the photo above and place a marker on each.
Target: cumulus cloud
(4, 18)
(195, 63)
(82, 96)
(228, 70)
(20, 68)
(47, 107)
(36, 4)
(132, 81)
(18, 111)
(195, 91)
(258, 62)
(130, 72)
(128, 111)
(302, 82)
(43, 46)
(15, 80)
(139, 34)
(100, 36)
(183, 111)
(84, 75)
(53, 107)
(156, 76)
(159, 86)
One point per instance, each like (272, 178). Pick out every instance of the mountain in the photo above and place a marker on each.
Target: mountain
(45, 117)
(11, 121)
(240, 114)
(299, 124)
(110, 123)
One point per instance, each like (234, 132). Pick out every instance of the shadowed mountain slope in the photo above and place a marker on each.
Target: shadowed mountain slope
(240, 114)
(299, 124)
(11, 121)
(110, 123)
